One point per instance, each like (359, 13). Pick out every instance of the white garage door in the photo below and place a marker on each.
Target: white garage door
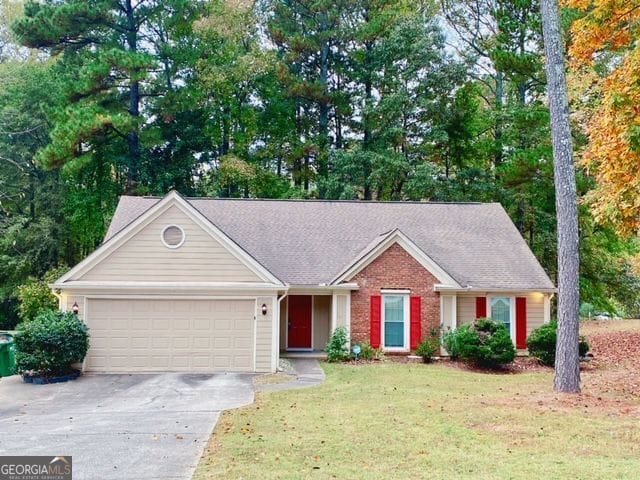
(170, 335)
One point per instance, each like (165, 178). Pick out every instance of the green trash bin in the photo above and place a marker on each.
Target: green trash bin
(7, 355)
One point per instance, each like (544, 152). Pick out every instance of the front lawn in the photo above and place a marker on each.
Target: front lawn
(390, 420)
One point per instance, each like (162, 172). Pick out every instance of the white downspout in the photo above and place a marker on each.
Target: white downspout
(279, 327)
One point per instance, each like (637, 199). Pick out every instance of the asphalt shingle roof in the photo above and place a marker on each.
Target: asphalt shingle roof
(310, 242)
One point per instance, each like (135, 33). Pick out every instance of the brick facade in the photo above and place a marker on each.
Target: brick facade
(394, 268)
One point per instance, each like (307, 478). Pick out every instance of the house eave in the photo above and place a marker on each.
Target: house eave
(322, 289)
(104, 286)
(470, 289)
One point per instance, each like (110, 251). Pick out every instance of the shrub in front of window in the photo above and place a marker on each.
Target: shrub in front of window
(428, 348)
(455, 339)
(50, 343)
(337, 348)
(542, 343)
(485, 342)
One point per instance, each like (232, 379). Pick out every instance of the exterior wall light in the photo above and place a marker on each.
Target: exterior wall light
(75, 308)
(264, 308)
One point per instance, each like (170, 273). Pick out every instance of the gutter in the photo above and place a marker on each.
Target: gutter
(284, 295)
(472, 289)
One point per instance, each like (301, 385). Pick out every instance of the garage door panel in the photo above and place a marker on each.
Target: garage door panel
(139, 342)
(119, 343)
(242, 324)
(160, 323)
(202, 343)
(221, 342)
(181, 342)
(170, 335)
(140, 323)
(118, 323)
(117, 361)
(181, 323)
(242, 362)
(202, 323)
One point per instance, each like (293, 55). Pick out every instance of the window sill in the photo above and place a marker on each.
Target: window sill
(396, 350)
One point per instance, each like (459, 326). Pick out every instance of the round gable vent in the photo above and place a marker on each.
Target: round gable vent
(172, 236)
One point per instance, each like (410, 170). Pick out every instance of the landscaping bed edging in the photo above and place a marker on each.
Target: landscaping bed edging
(44, 380)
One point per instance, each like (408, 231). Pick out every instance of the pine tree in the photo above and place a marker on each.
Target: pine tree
(567, 377)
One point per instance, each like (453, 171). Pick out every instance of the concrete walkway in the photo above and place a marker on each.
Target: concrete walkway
(307, 371)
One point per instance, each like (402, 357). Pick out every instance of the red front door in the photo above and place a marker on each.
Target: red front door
(299, 321)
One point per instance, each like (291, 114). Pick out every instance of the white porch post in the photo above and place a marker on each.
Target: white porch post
(334, 312)
(547, 308)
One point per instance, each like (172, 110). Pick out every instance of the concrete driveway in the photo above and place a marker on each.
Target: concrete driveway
(119, 426)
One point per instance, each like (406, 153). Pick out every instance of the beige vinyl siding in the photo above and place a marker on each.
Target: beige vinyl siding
(321, 321)
(466, 310)
(264, 338)
(535, 311)
(145, 258)
(69, 300)
(535, 308)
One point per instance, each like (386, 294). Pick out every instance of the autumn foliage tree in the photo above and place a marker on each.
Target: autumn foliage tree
(605, 50)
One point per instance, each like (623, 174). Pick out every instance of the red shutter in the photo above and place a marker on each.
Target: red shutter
(415, 312)
(376, 309)
(521, 322)
(481, 307)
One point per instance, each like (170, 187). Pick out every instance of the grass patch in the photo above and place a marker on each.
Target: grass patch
(588, 327)
(422, 421)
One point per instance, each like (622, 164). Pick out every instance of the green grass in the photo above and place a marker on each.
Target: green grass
(397, 421)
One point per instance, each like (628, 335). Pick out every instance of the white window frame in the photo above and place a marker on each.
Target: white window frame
(406, 314)
(177, 245)
(512, 313)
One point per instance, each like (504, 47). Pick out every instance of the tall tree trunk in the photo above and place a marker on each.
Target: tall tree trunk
(323, 123)
(366, 120)
(134, 103)
(567, 378)
(226, 130)
(323, 108)
(337, 117)
(497, 156)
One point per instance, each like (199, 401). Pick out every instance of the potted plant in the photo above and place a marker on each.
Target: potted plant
(427, 349)
(49, 345)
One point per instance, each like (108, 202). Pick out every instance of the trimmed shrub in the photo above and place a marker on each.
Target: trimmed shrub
(337, 349)
(428, 348)
(484, 342)
(542, 343)
(50, 343)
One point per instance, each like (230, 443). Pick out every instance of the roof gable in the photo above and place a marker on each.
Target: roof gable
(380, 245)
(136, 253)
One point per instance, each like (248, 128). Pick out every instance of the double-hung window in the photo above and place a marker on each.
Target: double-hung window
(501, 311)
(395, 321)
